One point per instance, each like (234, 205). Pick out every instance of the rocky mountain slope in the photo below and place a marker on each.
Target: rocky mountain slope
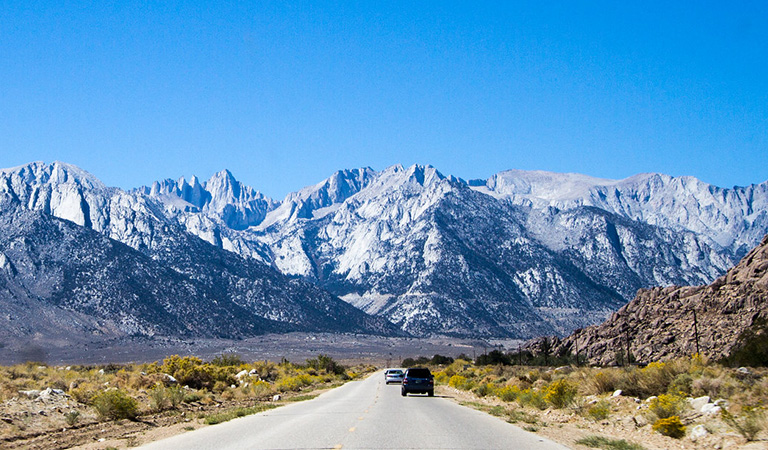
(162, 281)
(518, 255)
(659, 323)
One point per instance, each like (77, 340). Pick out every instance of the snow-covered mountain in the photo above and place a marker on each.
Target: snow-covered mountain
(735, 218)
(518, 255)
(163, 280)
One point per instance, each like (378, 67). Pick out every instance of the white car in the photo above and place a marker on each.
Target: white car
(394, 375)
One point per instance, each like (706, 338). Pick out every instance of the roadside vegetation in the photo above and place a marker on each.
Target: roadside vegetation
(682, 403)
(37, 398)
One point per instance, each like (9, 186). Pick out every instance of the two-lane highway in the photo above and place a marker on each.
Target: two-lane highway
(365, 414)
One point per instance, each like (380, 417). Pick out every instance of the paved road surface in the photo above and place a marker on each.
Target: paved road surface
(365, 414)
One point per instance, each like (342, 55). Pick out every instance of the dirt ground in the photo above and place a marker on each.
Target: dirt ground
(40, 425)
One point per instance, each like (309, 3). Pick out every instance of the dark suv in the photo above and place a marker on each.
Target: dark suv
(418, 380)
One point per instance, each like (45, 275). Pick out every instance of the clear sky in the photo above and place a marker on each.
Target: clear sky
(284, 95)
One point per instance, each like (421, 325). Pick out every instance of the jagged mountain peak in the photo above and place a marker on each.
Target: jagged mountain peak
(322, 198)
(39, 172)
(239, 206)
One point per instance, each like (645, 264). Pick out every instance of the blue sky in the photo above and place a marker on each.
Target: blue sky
(284, 95)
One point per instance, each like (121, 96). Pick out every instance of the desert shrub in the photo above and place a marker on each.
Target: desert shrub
(266, 370)
(666, 405)
(604, 382)
(508, 393)
(261, 388)
(176, 395)
(220, 417)
(560, 393)
(189, 371)
(441, 377)
(158, 398)
(749, 423)
(229, 394)
(460, 382)
(220, 386)
(682, 384)
(142, 381)
(115, 404)
(532, 397)
(599, 411)
(228, 360)
(72, 417)
(670, 426)
(293, 383)
(113, 368)
(456, 367)
(58, 383)
(530, 377)
(706, 386)
(484, 389)
(191, 397)
(84, 393)
(594, 441)
(654, 379)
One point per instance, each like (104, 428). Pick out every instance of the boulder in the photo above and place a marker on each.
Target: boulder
(49, 393)
(698, 432)
(32, 393)
(697, 403)
(640, 420)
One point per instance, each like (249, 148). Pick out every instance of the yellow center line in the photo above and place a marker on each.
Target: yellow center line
(352, 429)
(337, 446)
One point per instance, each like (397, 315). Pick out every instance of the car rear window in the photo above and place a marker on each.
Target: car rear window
(419, 373)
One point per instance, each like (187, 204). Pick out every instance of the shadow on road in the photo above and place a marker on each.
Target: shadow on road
(426, 396)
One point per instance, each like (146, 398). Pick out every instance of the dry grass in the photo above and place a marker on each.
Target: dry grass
(584, 395)
(177, 385)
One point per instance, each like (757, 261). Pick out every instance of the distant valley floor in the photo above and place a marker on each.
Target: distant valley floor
(297, 347)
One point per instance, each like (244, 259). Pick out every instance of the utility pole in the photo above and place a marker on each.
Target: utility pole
(629, 355)
(695, 330)
(576, 342)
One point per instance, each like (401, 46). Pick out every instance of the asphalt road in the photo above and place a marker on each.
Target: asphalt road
(365, 414)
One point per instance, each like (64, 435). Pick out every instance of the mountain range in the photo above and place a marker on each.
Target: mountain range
(518, 255)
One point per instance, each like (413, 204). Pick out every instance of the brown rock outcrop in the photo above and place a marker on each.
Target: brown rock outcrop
(663, 322)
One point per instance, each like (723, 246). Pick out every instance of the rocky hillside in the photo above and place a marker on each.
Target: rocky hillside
(659, 322)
